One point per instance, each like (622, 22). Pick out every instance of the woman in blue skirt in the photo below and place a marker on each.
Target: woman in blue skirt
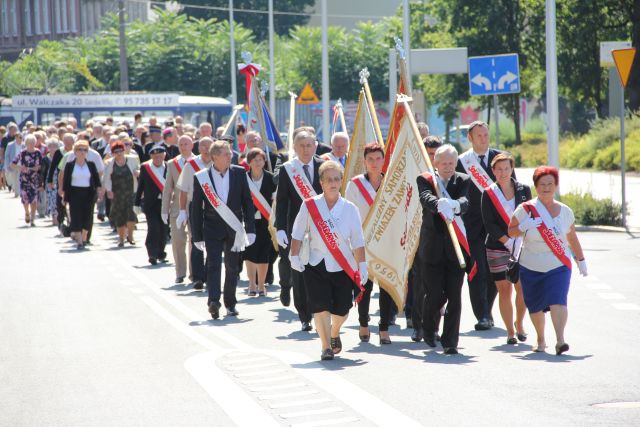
(545, 261)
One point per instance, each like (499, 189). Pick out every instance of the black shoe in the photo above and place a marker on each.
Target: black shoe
(336, 345)
(385, 341)
(180, 279)
(153, 261)
(491, 323)
(326, 354)
(198, 285)
(392, 321)
(482, 325)
(121, 244)
(561, 348)
(214, 310)
(285, 297)
(101, 217)
(417, 335)
(410, 323)
(450, 350)
(306, 327)
(512, 341)
(430, 340)
(231, 311)
(163, 260)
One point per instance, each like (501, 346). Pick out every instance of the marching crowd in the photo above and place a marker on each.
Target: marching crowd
(244, 205)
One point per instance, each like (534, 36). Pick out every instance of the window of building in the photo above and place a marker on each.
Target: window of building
(65, 17)
(57, 20)
(46, 17)
(4, 16)
(37, 17)
(13, 13)
(27, 17)
(74, 8)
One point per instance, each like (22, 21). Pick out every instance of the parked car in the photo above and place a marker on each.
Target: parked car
(458, 137)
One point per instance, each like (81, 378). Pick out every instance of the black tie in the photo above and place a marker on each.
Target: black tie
(484, 166)
(305, 168)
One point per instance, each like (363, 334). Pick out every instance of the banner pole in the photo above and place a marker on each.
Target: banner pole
(364, 75)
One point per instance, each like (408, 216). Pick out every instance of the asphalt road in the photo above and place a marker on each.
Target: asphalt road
(101, 338)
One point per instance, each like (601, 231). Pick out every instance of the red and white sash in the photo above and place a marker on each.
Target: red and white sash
(366, 189)
(472, 167)
(176, 163)
(157, 179)
(299, 179)
(458, 224)
(499, 202)
(196, 163)
(548, 231)
(258, 199)
(333, 239)
(223, 210)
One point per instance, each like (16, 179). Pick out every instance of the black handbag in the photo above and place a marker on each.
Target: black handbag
(513, 265)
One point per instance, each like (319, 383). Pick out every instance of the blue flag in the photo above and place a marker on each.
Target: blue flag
(270, 130)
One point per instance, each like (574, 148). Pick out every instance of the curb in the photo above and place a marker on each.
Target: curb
(607, 228)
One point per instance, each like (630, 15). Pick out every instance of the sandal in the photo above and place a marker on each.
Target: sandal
(262, 293)
(561, 348)
(327, 354)
(364, 337)
(336, 345)
(251, 291)
(27, 219)
(522, 337)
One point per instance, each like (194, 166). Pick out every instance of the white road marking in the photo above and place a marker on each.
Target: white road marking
(127, 282)
(329, 410)
(335, 421)
(288, 395)
(626, 306)
(269, 380)
(260, 373)
(299, 403)
(611, 295)
(251, 367)
(597, 285)
(136, 291)
(278, 387)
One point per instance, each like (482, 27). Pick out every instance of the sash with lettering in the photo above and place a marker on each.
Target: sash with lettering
(504, 210)
(258, 199)
(299, 180)
(366, 189)
(548, 231)
(333, 239)
(157, 179)
(176, 163)
(196, 163)
(458, 224)
(223, 210)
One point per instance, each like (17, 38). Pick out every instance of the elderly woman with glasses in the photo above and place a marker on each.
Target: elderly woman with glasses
(80, 188)
(120, 183)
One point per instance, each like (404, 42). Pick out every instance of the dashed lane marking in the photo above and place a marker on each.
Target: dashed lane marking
(611, 295)
(299, 403)
(288, 395)
(329, 410)
(332, 422)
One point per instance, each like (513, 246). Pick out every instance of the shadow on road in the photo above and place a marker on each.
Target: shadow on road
(337, 364)
(552, 358)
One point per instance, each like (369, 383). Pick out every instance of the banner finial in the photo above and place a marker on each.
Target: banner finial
(364, 75)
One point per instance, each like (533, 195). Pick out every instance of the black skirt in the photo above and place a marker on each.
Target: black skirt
(261, 252)
(80, 208)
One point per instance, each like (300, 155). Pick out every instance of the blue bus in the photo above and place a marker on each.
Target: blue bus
(46, 109)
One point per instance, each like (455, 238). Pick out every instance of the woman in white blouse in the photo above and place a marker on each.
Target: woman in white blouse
(545, 262)
(329, 292)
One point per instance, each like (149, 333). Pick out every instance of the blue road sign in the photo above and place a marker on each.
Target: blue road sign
(494, 75)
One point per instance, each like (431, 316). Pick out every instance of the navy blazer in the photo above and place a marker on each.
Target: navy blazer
(288, 201)
(435, 241)
(205, 220)
(493, 222)
(148, 189)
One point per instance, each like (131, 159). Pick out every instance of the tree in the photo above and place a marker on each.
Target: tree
(256, 21)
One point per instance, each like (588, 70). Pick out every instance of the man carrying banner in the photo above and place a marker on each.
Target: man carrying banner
(361, 191)
(221, 203)
(476, 162)
(298, 180)
(185, 184)
(441, 271)
(339, 148)
(171, 206)
(336, 256)
(153, 174)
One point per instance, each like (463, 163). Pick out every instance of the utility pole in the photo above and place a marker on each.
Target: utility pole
(272, 64)
(325, 74)
(124, 68)
(553, 133)
(234, 94)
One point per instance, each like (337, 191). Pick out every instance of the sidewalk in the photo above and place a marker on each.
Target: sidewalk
(601, 185)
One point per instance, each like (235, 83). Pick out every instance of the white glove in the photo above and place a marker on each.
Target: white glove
(251, 237)
(364, 273)
(281, 236)
(199, 246)
(182, 218)
(137, 210)
(582, 266)
(509, 244)
(165, 218)
(529, 223)
(296, 263)
(445, 209)
(455, 205)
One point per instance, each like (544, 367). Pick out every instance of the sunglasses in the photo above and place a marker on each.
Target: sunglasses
(82, 150)
(118, 151)
(128, 144)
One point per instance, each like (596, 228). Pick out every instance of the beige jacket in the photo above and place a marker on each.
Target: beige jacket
(134, 166)
(171, 193)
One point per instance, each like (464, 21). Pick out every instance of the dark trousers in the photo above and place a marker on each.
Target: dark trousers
(196, 258)
(300, 296)
(386, 310)
(417, 292)
(443, 281)
(363, 305)
(156, 235)
(215, 248)
(284, 269)
(482, 289)
(61, 209)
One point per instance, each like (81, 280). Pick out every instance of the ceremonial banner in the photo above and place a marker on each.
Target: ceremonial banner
(363, 134)
(396, 116)
(392, 228)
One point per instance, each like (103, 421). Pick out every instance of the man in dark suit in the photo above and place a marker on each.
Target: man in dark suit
(482, 290)
(288, 203)
(150, 186)
(213, 232)
(441, 272)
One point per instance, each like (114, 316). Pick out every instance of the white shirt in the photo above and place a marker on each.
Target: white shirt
(484, 162)
(92, 156)
(221, 182)
(310, 169)
(185, 180)
(257, 184)
(347, 219)
(352, 193)
(536, 254)
(81, 176)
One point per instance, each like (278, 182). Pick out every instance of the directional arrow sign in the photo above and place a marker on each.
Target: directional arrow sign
(494, 75)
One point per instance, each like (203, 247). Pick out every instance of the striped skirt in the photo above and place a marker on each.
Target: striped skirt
(497, 260)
